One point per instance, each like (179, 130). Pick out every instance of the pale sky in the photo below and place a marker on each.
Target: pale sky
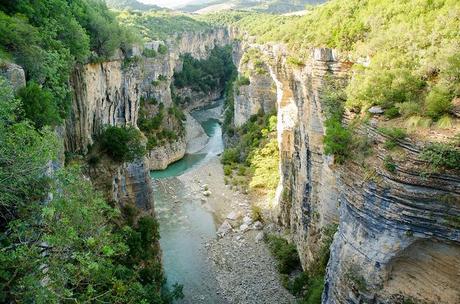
(166, 3)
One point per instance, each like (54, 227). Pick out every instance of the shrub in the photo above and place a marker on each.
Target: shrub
(438, 102)
(228, 170)
(243, 81)
(394, 134)
(295, 61)
(122, 144)
(256, 213)
(284, 252)
(149, 53)
(407, 109)
(337, 140)
(445, 122)
(39, 105)
(389, 164)
(442, 156)
(162, 49)
(391, 113)
(230, 156)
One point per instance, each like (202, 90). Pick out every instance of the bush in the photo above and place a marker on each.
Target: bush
(162, 49)
(438, 102)
(442, 156)
(256, 213)
(230, 156)
(122, 144)
(243, 81)
(389, 164)
(149, 53)
(284, 252)
(337, 140)
(39, 105)
(391, 113)
(394, 134)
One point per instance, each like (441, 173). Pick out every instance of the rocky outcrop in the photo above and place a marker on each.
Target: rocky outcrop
(159, 158)
(127, 185)
(14, 74)
(259, 93)
(196, 137)
(399, 233)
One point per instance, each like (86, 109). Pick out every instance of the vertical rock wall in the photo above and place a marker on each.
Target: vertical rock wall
(399, 234)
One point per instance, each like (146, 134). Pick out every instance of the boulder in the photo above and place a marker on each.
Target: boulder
(224, 229)
(376, 110)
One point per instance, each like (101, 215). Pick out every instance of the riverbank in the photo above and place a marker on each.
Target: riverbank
(243, 267)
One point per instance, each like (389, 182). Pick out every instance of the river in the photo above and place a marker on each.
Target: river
(186, 225)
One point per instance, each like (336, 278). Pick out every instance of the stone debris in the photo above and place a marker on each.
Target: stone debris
(258, 225)
(247, 220)
(244, 228)
(207, 193)
(232, 216)
(259, 237)
(246, 272)
(376, 110)
(224, 229)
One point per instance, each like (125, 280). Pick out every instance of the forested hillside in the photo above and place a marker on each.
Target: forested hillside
(273, 6)
(61, 241)
(409, 52)
(131, 4)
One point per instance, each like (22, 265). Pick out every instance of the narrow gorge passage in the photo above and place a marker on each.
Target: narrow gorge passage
(211, 270)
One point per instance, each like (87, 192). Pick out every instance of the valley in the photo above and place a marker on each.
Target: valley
(253, 154)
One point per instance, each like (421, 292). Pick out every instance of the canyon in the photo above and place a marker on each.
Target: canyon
(398, 236)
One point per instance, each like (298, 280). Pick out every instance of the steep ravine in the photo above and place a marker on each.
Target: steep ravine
(398, 239)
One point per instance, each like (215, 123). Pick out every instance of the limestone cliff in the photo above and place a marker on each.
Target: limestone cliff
(112, 93)
(399, 233)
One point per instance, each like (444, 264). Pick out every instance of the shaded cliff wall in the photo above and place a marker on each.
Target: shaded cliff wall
(398, 236)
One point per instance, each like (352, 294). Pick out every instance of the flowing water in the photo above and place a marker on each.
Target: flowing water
(185, 225)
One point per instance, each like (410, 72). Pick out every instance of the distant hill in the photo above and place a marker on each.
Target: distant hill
(131, 4)
(268, 6)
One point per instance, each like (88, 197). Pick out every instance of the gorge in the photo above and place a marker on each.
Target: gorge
(248, 142)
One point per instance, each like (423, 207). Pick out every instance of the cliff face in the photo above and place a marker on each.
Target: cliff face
(399, 233)
(111, 93)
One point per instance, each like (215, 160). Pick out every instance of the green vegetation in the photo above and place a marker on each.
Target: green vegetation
(413, 71)
(389, 164)
(394, 135)
(254, 159)
(206, 75)
(154, 128)
(161, 25)
(122, 144)
(61, 241)
(269, 6)
(308, 285)
(442, 156)
(39, 105)
(48, 37)
(284, 252)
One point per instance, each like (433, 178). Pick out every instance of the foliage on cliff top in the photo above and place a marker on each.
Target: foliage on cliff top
(48, 37)
(412, 45)
(161, 25)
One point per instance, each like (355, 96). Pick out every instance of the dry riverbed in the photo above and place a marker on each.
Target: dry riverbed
(244, 269)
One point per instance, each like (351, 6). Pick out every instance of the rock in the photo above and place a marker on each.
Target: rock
(204, 199)
(376, 110)
(204, 187)
(244, 228)
(258, 225)
(232, 216)
(207, 193)
(259, 237)
(224, 229)
(247, 220)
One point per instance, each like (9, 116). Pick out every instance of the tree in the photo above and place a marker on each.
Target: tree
(123, 144)
(39, 105)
